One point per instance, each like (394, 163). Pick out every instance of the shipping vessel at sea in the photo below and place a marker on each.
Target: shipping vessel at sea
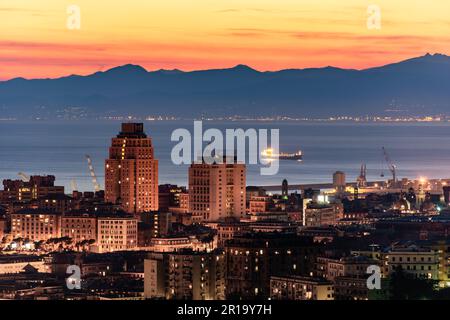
(269, 154)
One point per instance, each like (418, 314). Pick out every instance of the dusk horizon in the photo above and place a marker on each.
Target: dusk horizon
(150, 70)
(208, 159)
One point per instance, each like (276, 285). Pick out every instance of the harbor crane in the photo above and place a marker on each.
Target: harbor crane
(93, 175)
(391, 166)
(361, 181)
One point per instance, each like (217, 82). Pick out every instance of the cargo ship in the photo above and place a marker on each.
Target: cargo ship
(268, 153)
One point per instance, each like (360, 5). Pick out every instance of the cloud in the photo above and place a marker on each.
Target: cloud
(20, 45)
(33, 12)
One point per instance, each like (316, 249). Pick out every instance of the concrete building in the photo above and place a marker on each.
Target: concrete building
(159, 222)
(79, 226)
(172, 196)
(186, 275)
(446, 191)
(36, 187)
(58, 202)
(339, 181)
(420, 262)
(443, 250)
(116, 233)
(300, 288)
(217, 191)
(317, 215)
(3, 225)
(177, 243)
(12, 264)
(353, 267)
(258, 204)
(253, 258)
(227, 230)
(131, 171)
(36, 224)
(350, 288)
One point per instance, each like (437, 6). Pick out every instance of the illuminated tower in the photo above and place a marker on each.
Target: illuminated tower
(131, 172)
(339, 182)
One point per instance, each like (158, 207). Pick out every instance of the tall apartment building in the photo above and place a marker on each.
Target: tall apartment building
(252, 259)
(116, 233)
(217, 191)
(36, 224)
(131, 171)
(186, 274)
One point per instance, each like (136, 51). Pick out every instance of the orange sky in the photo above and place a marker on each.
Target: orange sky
(201, 34)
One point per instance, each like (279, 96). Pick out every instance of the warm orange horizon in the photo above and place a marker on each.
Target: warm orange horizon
(201, 34)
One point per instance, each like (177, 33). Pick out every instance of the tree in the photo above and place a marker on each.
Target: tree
(405, 286)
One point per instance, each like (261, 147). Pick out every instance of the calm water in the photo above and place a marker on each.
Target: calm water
(59, 148)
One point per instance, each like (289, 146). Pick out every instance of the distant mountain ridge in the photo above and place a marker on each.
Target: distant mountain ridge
(419, 85)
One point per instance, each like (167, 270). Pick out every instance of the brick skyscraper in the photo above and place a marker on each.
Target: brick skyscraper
(131, 172)
(217, 191)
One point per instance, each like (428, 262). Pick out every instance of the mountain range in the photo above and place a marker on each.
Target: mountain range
(416, 86)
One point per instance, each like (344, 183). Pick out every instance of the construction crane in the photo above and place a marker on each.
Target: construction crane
(91, 170)
(391, 166)
(74, 185)
(24, 177)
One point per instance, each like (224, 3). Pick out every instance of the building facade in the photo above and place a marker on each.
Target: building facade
(318, 215)
(300, 288)
(186, 275)
(116, 233)
(79, 226)
(36, 224)
(131, 171)
(253, 258)
(217, 191)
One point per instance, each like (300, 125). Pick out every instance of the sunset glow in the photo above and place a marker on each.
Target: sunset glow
(265, 34)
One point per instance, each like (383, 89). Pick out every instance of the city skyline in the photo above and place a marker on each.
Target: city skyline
(208, 159)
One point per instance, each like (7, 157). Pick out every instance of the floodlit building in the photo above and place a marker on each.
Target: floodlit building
(186, 275)
(116, 233)
(36, 224)
(217, 191)
(131, 171)
(300, 288)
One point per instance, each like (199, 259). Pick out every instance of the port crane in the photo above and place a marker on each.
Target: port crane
(362, 180)
(391, 166)
(92, 172)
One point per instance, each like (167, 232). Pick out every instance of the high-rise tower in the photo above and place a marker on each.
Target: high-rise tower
(131, 171)
(217, 191)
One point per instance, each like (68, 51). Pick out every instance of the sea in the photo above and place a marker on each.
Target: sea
(59, 148)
